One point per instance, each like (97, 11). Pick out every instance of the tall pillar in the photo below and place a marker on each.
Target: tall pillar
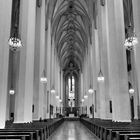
(118, 78)
(39, 64)
(56, 78)
(61, 90)
(97, 63)
(93, 60)
(48, 66)
(103, 54)
(5, 24)
(136, 17)
(134, 82)
(42, 87)
(89, 80)
(52, 72)
(24, 95)
(61, 93)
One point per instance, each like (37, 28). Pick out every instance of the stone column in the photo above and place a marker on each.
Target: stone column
(93, 65)
(93, 60)
(48, 66)
(136, 17)
(118, 78)
(97, 63)
(132, 77)
(101, 85)
(62, 85)
(103, 54)
(89, 78)
(24, 95)
(39, 64)
(5, 24)
(64, 90)
(52, 72)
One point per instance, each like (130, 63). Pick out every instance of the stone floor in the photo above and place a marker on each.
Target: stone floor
(72, 130)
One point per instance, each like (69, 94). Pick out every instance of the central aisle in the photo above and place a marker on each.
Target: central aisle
(72, 130)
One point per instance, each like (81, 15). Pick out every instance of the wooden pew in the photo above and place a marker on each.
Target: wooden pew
(115, 134)
(31, 134)
(128, 136)
(29, 127)
(37, 135)
(19, 137)
(107, 130)
(111, 133)
(42, 129)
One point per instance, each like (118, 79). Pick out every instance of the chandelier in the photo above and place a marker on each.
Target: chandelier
(90, 91)
(85, 96)
(43, 78)
(11, 91)
(131, 91)
(57, 97)
(100, 77)
(14, 41)
(60, 100)
(53, 91)
(131, 39)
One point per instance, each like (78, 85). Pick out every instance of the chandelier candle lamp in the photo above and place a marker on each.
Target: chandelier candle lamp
(100, 77)
(53, 91)
(131, 39)
(14, 43)
(85, 96)
(131, 91)
(11, 91)
(43, 78)
(57, 97)
(90, 91)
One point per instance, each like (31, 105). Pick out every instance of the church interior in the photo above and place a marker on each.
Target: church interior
(72, 64)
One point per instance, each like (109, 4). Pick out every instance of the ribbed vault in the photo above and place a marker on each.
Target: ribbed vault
(71, 27)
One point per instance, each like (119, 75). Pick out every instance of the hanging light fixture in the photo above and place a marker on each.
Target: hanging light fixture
(131, 91)
(14, 41)
(85, 96)
(53, 91)
(60, 100)
(131, 38)
(11, 91)
(100, 77)
(57, 96)
(90, 90)
(82, 100)
(43, 78)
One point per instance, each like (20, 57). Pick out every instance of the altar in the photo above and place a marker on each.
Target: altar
(71, 115)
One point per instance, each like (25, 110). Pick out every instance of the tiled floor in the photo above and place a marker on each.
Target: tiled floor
(72, 130)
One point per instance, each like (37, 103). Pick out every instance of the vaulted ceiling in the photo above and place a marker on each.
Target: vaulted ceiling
(71, 30)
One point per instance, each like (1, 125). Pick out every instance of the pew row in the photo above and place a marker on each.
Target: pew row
(37, 130)
(108, 130)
